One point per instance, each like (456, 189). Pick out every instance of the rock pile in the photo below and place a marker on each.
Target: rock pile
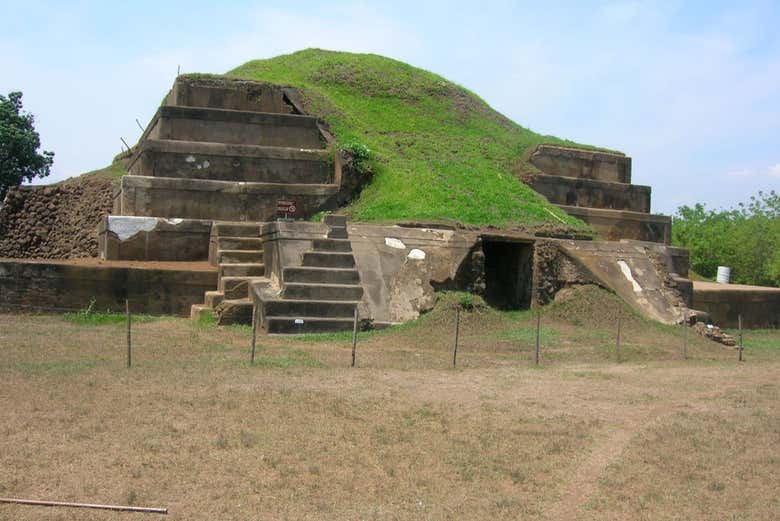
(715, 333)
(54, 222)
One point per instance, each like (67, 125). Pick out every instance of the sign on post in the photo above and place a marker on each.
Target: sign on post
(286, 208)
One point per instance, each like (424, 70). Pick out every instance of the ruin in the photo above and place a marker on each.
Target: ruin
(196, 228)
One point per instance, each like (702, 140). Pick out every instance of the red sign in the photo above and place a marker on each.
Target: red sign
(286, 208)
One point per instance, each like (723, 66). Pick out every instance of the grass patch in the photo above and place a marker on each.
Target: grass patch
(437, 151)
(295, 358)
(527, 335)
(98, 318)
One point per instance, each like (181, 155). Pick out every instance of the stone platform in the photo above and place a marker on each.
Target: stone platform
(158, 288)
(758, 305)
(595, 186)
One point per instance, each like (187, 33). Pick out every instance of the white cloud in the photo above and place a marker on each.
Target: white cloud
(774, 170)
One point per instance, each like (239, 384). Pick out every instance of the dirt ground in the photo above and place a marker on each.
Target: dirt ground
(592, 433)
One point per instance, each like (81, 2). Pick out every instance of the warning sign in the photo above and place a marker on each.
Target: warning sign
(286, 208)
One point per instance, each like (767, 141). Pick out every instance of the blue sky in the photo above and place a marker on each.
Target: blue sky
(690, 90)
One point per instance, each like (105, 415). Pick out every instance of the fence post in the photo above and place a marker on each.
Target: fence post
(457, 333)
(254, 333)
(741, 347)
(617, 340)
(538, 332)
(685, 342)
(129, 339)
(354, 335)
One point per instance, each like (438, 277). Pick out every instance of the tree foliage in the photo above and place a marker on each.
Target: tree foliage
(20, 160)
(745, 238)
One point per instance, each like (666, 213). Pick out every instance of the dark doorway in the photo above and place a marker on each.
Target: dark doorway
(508, 273)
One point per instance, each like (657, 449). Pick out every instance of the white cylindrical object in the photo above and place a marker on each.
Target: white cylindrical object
(724, 275)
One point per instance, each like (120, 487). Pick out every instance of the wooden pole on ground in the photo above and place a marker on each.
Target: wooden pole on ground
(122, 508)
(538, 333)
(741, 347)
(354, 336)
(457, 333)
(617, 340)
(129, 338)
(254, 333)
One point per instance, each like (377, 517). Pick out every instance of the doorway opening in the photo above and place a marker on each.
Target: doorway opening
(508, 273)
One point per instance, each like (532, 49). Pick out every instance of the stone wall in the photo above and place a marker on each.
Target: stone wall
(759, 306)
(581, 163)
(54, 222)
(62, 286)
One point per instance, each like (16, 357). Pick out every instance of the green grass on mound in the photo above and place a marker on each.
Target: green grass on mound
(438, 151)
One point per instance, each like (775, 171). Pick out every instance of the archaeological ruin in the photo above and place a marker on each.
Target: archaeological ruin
(233, 201)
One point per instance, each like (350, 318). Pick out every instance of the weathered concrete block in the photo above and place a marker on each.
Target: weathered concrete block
(71, 286)
(230, 162)
(231, 126)
(153, 238)
(613, 225)
(759, 306)
(592, 193)
(584, 164)
(217, 200)
(226, 93)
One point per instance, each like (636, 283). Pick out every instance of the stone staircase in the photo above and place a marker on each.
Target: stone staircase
(322, 293)
(237, 251)
(595, 186)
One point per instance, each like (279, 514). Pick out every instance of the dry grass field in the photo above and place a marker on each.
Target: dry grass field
(404, 435)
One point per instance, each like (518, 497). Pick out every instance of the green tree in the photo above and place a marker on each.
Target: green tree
(746, 238)
(20, 160)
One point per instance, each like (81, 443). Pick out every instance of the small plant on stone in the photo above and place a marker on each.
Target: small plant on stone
(467, 301)
(359, 155)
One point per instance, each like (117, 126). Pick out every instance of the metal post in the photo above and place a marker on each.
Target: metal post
(354, 336)
(538, 332)
(129, 339)
(254, 332)
(457, 333)
(741, 347)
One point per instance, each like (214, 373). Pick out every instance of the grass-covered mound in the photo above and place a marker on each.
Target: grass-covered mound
(438, 151)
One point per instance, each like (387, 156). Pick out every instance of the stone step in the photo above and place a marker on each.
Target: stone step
(235, 311)
(236, 229)
(231, 162)
(613, 225)
(248, 269)
(198, 310)
(339, 245)
(309, 308)
(297, 325)
(239, 243)
(216, 200)
(338, 232)
(323, 275)
(237, 127)
(239, 256)
(236, 287)
(213, 298)
(591, 193)
(324, 259)
(336, 220)
(304, 291)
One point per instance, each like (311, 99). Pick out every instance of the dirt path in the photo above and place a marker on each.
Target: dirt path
(608, 450)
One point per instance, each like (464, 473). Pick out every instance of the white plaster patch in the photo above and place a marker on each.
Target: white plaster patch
(395, 243)
(206, 164)
(189, 159)
(125, 226)
(174, 221)
(416, 254)
(627, 273)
